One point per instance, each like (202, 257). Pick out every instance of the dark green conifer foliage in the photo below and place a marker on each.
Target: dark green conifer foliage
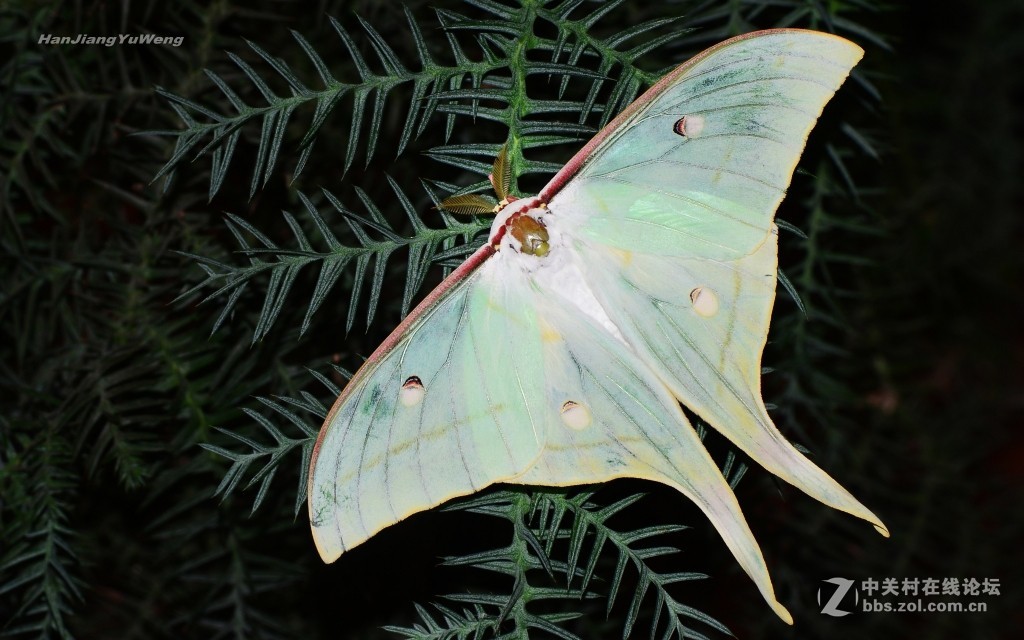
(199, 242)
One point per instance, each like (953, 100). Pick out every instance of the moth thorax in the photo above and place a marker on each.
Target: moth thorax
(531, 234)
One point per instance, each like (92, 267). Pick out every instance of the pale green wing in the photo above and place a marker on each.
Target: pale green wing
(709, 353)
(697, 166)
(613, 417)
(445, 411)
(674, 232)
(515, 383)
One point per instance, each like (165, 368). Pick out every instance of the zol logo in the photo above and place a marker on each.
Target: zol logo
(842, 586)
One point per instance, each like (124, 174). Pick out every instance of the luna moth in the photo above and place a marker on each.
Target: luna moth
(641, 277)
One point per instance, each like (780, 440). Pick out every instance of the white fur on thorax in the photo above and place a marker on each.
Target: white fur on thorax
(557, 274)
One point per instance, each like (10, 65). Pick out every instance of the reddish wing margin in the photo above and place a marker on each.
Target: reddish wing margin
(595, 144)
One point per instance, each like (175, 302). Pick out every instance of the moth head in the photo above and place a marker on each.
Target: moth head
(519, 227)
(522, 229)
(532, 235)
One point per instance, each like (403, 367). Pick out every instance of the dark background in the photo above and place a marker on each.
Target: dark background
(904, 381)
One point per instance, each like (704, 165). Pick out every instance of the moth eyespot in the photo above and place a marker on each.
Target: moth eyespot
(412, 392)
(704, 301)
(689, 126)
(532, 235)
(575, 416)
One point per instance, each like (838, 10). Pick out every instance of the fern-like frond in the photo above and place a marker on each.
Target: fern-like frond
(467, 623)
(545, 525)
(371, 93)
(296, 413)
(492, 86)
(575, 53)
(376, 240)
(591, 521)
(38, 564)
(576, 40)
